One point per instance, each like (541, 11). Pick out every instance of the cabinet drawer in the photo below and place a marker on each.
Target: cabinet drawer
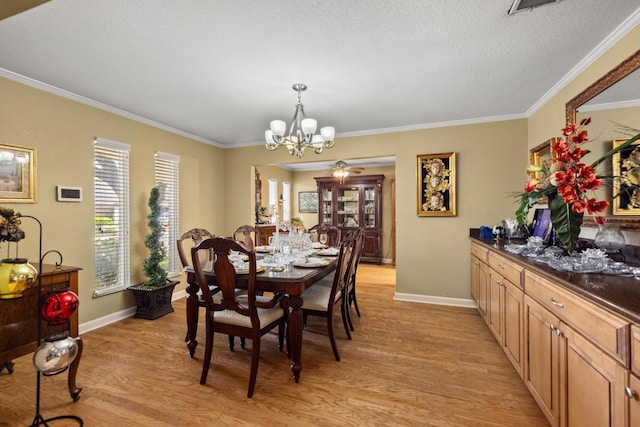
(507, 269)
(635, 349)
(479, 252)
(606, 330)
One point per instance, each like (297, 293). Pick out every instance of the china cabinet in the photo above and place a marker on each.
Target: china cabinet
(354, 202)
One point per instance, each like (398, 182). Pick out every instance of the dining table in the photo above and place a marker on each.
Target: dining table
(292, 281)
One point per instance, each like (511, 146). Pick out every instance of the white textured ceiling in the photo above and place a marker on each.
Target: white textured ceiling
(221, 70)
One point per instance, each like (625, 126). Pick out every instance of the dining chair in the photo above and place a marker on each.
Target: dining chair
(333, 233)
(248, 315)
(351, 282)
(195, 236)
(243, 234)
(321, 301)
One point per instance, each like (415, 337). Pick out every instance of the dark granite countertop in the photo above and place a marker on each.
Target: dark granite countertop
(618, 294)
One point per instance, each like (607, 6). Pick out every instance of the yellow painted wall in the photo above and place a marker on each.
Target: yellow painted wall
(432, 252)
(217, 186)
(550, 118)
(62, 132)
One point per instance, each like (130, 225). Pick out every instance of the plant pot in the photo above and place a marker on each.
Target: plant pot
(155, 302)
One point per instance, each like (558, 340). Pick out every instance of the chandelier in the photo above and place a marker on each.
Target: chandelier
(302, 132)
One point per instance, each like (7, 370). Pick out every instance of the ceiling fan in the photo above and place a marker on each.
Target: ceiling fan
(341, 170)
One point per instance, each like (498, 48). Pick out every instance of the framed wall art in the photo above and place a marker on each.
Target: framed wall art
(542, 155)
(17, 174)
(626, 166)
(308, 201)
(436, 184)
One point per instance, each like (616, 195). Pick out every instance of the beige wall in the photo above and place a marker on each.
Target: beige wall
(217, 186)
(550, 118)
(62, 132)
(432, 252)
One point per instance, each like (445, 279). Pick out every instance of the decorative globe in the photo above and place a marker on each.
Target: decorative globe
(16, 276)
(53, 357)
(58, 307)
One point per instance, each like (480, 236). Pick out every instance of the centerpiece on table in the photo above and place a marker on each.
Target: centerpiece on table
(570, 185)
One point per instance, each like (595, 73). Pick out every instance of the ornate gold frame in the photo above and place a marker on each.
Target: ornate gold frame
(624, 166)
(436, 184)
(541, 155)
(622, 70)
(17, 174)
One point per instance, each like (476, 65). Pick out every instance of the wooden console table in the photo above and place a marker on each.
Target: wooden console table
(18, 321)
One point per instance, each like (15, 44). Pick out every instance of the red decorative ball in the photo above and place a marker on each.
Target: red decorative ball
(58, 307)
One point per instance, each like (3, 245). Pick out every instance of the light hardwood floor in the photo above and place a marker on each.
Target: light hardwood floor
(408, 364)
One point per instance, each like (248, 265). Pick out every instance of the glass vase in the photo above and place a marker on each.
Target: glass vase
(609, 237)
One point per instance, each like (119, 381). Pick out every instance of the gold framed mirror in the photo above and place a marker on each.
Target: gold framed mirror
(622, 70)
(629, 71)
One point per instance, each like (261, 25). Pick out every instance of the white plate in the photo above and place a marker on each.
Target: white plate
(326, 252)
(310, 264)
(259, 269)
(264, 249)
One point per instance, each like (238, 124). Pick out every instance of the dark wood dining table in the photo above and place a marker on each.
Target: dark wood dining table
(292, 282)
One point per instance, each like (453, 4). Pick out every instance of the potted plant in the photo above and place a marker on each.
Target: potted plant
(153, 297)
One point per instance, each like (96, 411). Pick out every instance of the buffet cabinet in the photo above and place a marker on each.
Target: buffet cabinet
(352, 203)
(580, 362)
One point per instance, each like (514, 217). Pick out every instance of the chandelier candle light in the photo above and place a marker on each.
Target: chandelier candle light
(302, 132)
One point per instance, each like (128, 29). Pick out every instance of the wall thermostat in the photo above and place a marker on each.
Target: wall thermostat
(69, 194)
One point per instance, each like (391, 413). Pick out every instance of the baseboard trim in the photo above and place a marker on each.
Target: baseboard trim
(431, 299)
(119, 315)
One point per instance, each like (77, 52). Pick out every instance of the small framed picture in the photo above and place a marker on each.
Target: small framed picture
(542, 155)
(436, 184)
(626, 166)
(308, 201)
(17, 174)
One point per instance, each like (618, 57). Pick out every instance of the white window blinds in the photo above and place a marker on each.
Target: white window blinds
(167, 168)
(273, 193)
(111, 216)
(286, 201)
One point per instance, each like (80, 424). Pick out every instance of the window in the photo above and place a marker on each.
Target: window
(111, 216)
(167, 174)
(286, 201)
(273, 195)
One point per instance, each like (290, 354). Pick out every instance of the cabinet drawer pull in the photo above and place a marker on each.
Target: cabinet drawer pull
(630, 392)
(501, 266)
(551, 327)
(558, 332)
(554, 302)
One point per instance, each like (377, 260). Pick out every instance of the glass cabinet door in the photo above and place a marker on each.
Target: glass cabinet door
(369, 207)
(348, 208)
(327, 207)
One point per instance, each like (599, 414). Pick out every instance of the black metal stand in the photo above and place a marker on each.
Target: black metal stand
(39, 419)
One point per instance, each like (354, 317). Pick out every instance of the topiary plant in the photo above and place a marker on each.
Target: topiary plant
(157, 276)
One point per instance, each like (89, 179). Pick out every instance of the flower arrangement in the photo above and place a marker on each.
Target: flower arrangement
(296, 223)
(10, 225)
(570, 185)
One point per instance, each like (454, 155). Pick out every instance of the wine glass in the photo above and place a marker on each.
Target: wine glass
(272, 241)
(323, 238)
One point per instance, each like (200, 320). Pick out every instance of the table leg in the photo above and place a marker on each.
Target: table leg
(74, 391)
(192, 316)
(295, 335)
